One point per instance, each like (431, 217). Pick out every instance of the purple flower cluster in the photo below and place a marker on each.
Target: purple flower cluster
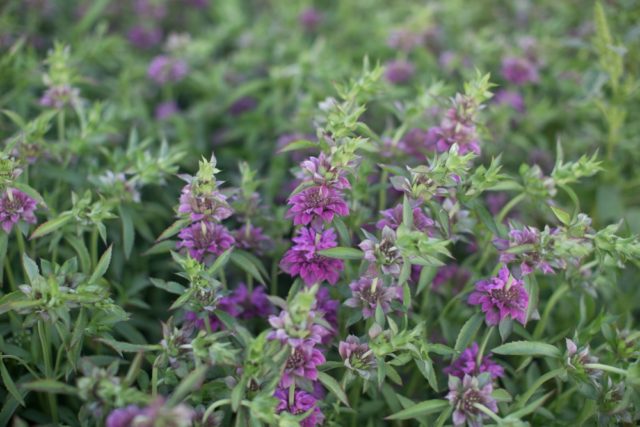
(16, 206)
(532, 256)
(392, 218)
(369, 293)
(465, 393)
(501, 297)
(357, 356)
(453, 273)
(303, 259)
(165, 69)
(310, 19)
(203, 238)
(467, 364)
(205, 205)
(302, 402)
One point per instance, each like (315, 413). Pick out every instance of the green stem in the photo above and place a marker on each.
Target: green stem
(61, 127)
(507, 208)
(10, 278)
(94, 247)
(485, 341)
(43, 333)
(606, 368)
(537, 333)
(382, 195)
(543, 379)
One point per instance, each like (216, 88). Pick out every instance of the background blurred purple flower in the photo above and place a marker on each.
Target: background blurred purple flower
(16, 206)
(243, 105)
(458, 276)
(405, 40)
(467, 364)
(164, 110)
(202, 238)
(60, 96)
(501, 297)
(303, 258)
(392, 218)
(310, 19)
(399, 71)
(122, 417)
(510, 98)
(252, 239)
(144, 37)
(164, 69)
(519, 71)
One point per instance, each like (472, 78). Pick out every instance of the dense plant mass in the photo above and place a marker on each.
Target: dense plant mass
(345, 213)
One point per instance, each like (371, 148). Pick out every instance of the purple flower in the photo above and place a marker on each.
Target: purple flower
(417, 141)
(243, 105)
(357, 356)
(202, 238)
(315, 205)
(204, 205)
(122, 417)
(252, 304)
(60, 96)
(466, 365)
(310, 19)
(303, 258)
(15, 206)
(392, 218)
(164, 110)
(322, 172)
(501, 297)
(368, 293)
(165, 69)
(144, 37)
(252, 238)
(519, 71)
(510, 98)
(463, 394)
(457, 127)
(302, 402)
(399, 71)
(303, 362)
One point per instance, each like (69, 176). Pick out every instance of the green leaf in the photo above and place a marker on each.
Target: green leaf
(171, 287)
(128, 231)
(9, 384)
(341, 252)
(420, 409)
(30, 267)
(563, 216)
(51, 225)
(221, 261)
(102, 266)
(468, 331)
(246, 263)
(50, 386)
(301, 144)
(332, 385)
(125, 347)
(173, 229)
(187, 385)
(527, 348)
(83, 253)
